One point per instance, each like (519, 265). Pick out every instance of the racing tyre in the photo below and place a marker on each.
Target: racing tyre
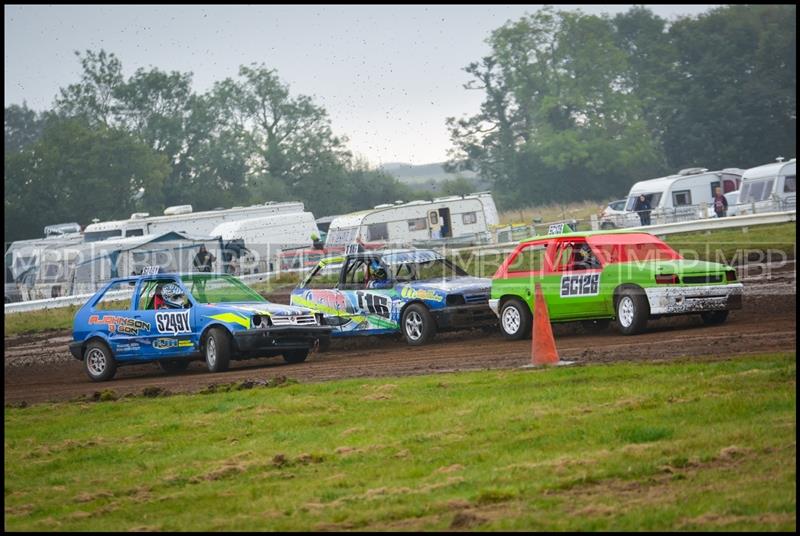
(295, 356)
(633, 309)
(218, 350)
(98, 362)
(712, 318)
(417, 324)
(515, 319)
(171, 367)
(595, 326)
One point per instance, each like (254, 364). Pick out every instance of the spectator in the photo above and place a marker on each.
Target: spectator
(720, 204)
(203, 260)
(643, 208)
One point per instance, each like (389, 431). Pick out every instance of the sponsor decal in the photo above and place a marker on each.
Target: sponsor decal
(128, 347)
(420, 294)
(173, 322)
(580, 285)
(164, 343)
(120, 324)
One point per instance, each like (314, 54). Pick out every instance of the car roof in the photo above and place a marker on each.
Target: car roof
(583, 234)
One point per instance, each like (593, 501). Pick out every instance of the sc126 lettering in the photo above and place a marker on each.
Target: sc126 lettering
(580, 285)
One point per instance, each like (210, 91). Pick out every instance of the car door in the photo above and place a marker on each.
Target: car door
(368, 310)
(112, 314)
(172, 331)
(572, 286)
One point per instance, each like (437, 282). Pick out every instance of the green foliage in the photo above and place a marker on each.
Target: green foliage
(580, 106)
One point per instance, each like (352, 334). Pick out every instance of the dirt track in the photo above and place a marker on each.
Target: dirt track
(40, 368)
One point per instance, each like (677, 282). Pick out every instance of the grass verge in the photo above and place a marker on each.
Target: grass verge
(685, 446)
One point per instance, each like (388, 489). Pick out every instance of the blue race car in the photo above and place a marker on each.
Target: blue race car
(413, 291)
(175, 318)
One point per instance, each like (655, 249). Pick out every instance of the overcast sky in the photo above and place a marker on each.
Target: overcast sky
(387, 75)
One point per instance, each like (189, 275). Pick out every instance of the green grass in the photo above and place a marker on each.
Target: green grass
(686, 446)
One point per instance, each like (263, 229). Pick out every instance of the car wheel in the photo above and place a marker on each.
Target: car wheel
(295, 356)
(417, 324)
(515, 319)
(633, 309)
(173, 366)
(595, 326)
(218, 350)
(712, 318)
(100, 365)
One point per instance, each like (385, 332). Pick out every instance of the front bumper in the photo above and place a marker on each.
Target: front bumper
(280, 338)
(676, 300)
(464, 316)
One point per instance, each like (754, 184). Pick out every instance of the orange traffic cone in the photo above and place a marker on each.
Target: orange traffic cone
(543, 345)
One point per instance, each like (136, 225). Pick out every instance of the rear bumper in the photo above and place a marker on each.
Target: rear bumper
(464, 316)
(288, 338)
(676, 300)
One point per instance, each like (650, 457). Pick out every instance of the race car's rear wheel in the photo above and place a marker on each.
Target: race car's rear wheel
(515, 319)
(173, 366)
(417, 324)
(295, 356)
(98, 362)
(218, 350)
(633, 309)
(712, 318)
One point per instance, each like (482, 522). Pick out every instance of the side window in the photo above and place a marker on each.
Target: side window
(433, 216)
(378, 231)
(417, 224)
(356, 274)
(790, 184)
(468, 218)
(325, 277)
(682, 198)
(563, 258)
(116, 298)
(530, 259)
(714, 186)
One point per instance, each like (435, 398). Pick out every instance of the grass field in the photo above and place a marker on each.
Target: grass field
(680, 446)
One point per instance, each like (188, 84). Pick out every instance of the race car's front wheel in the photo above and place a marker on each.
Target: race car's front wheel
(218, 350)
(295, 356)
(633, 309)
(417, 324)
(515, 319)
(100, 365)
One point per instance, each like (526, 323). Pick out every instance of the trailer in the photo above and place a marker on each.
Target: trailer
(463, 219)
(767, 188)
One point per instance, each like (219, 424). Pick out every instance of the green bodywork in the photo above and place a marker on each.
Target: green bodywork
(596, 302)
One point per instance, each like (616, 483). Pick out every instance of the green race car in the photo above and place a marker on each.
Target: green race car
(596, 277)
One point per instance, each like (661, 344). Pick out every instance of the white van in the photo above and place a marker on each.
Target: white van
(266, 237)
(768, 188)
(453, 219)
(687, 195)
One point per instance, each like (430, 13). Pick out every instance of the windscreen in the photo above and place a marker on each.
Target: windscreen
(216, 288)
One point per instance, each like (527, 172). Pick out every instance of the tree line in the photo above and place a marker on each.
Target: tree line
(581, 106)
(575, 107)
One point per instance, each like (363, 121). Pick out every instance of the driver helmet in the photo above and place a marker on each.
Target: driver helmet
(173, 295)
(377, 270)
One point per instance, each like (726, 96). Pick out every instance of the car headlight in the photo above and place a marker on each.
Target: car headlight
(320, 319)
(455, 299)
(261, 321)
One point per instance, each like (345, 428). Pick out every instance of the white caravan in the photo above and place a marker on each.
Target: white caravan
(687, 195)
(452, 219)
(181, 219)
(267, 236)
(771, 187)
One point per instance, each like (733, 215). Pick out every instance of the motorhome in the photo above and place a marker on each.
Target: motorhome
(182, 219)
(771, 187)
(455, 219)
(687, 195)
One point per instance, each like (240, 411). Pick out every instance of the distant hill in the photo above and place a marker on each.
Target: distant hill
(428, 176)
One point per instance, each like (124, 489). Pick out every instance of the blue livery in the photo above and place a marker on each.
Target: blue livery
(413, 292)
(174, 318)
